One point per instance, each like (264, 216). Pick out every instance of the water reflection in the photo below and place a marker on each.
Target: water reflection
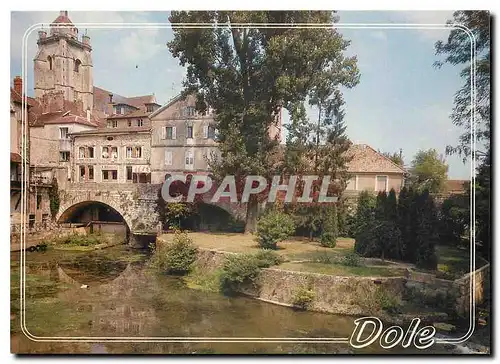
(126, 299)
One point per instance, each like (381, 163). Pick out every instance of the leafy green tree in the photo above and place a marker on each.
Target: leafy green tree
(483, 206)
(428, 171)
(426, 231)
(247, 74)
(330, 231)
(365, 222)
(396, 157)
(406, 224)
(454, 219)
(272, 227)
(457, 51)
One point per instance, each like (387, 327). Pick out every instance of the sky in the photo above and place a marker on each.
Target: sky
(402, 101)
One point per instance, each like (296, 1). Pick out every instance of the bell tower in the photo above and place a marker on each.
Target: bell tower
(63, 63)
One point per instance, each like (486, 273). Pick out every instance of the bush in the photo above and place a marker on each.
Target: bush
(303, 297)
(175, 257)
(76, 239)
(267, 258)
(328, 239)
(273, 227)
(239, 270)
(351, 260)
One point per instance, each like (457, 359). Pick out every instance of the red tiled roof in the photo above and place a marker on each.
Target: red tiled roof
(101, 99)
(368, 160)
(62, 117)
(62, 19)
(104, 130)
(454, 185)
(133, 114)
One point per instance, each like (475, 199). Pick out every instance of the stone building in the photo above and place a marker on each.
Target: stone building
(181, 139)
(64, 63)
(37, 197)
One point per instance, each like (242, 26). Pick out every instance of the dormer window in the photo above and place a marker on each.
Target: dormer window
(112, 123)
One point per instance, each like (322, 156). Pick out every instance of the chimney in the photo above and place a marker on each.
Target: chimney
(110, 98)
(18, 85)
(63, 13)
(110, 105)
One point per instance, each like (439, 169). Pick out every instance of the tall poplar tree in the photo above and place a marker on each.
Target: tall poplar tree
(247, 73)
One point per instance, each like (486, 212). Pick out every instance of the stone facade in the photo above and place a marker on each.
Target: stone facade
(124, 153)
(181, 139)
(64, 63)
(136, 203)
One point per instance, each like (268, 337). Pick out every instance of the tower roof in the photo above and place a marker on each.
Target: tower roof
(62, 18)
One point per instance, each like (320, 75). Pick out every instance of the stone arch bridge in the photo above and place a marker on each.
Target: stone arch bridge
(136, 203)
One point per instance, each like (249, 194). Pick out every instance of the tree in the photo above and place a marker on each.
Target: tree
(454, 219)
(247, 74)
(365, 222)
(426, 231)
(396, 157)
(457, 51)
(406, 219)
(330, 231)
(483, 206)
(428, 171)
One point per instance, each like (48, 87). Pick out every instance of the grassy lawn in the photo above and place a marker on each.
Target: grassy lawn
(342, 270)
(294, 249)
(454, 261)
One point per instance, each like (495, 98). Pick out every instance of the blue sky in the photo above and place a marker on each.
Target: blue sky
(402, 101)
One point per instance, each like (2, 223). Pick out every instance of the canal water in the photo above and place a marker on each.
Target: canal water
(113, 293)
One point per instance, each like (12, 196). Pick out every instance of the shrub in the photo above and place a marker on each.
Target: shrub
(303, 297)
(267, 258)
(273, 227)
(239, 270)
(328, 239)
(54, 198)
(330, 227)
(175, 257)
(76, 239)
(351, 260)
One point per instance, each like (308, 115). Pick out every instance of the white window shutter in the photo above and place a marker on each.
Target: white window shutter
(164, 132)
(168, 158)
(173, 132)
(205, 131)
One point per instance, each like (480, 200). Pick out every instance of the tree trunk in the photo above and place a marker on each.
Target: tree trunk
(252, 214)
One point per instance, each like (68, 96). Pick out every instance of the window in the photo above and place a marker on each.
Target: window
(189, 159)
(77, 65)
(38, 202)
(150, 107)
(91, 152)
(109, 175)
(169, 132)
(134, 152)
(114, 152)
(64, 156)
(91, 173)
(31, 222)
(81, 152)
(129, 173)
(49, 59)
(139, 122)
(105, 152)
(189, 132)
(63, 133)
(211, 131)
(82, 174)
(188, 111)
(129, 123)
(381, 183)
(168, 158)
(352, 184)
(112, 123)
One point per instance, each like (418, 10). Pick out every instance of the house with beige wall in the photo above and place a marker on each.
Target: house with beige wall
(181, 139)
(112, 155)
(371, 171)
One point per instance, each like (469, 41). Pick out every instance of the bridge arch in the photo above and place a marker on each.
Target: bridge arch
(86, 211)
